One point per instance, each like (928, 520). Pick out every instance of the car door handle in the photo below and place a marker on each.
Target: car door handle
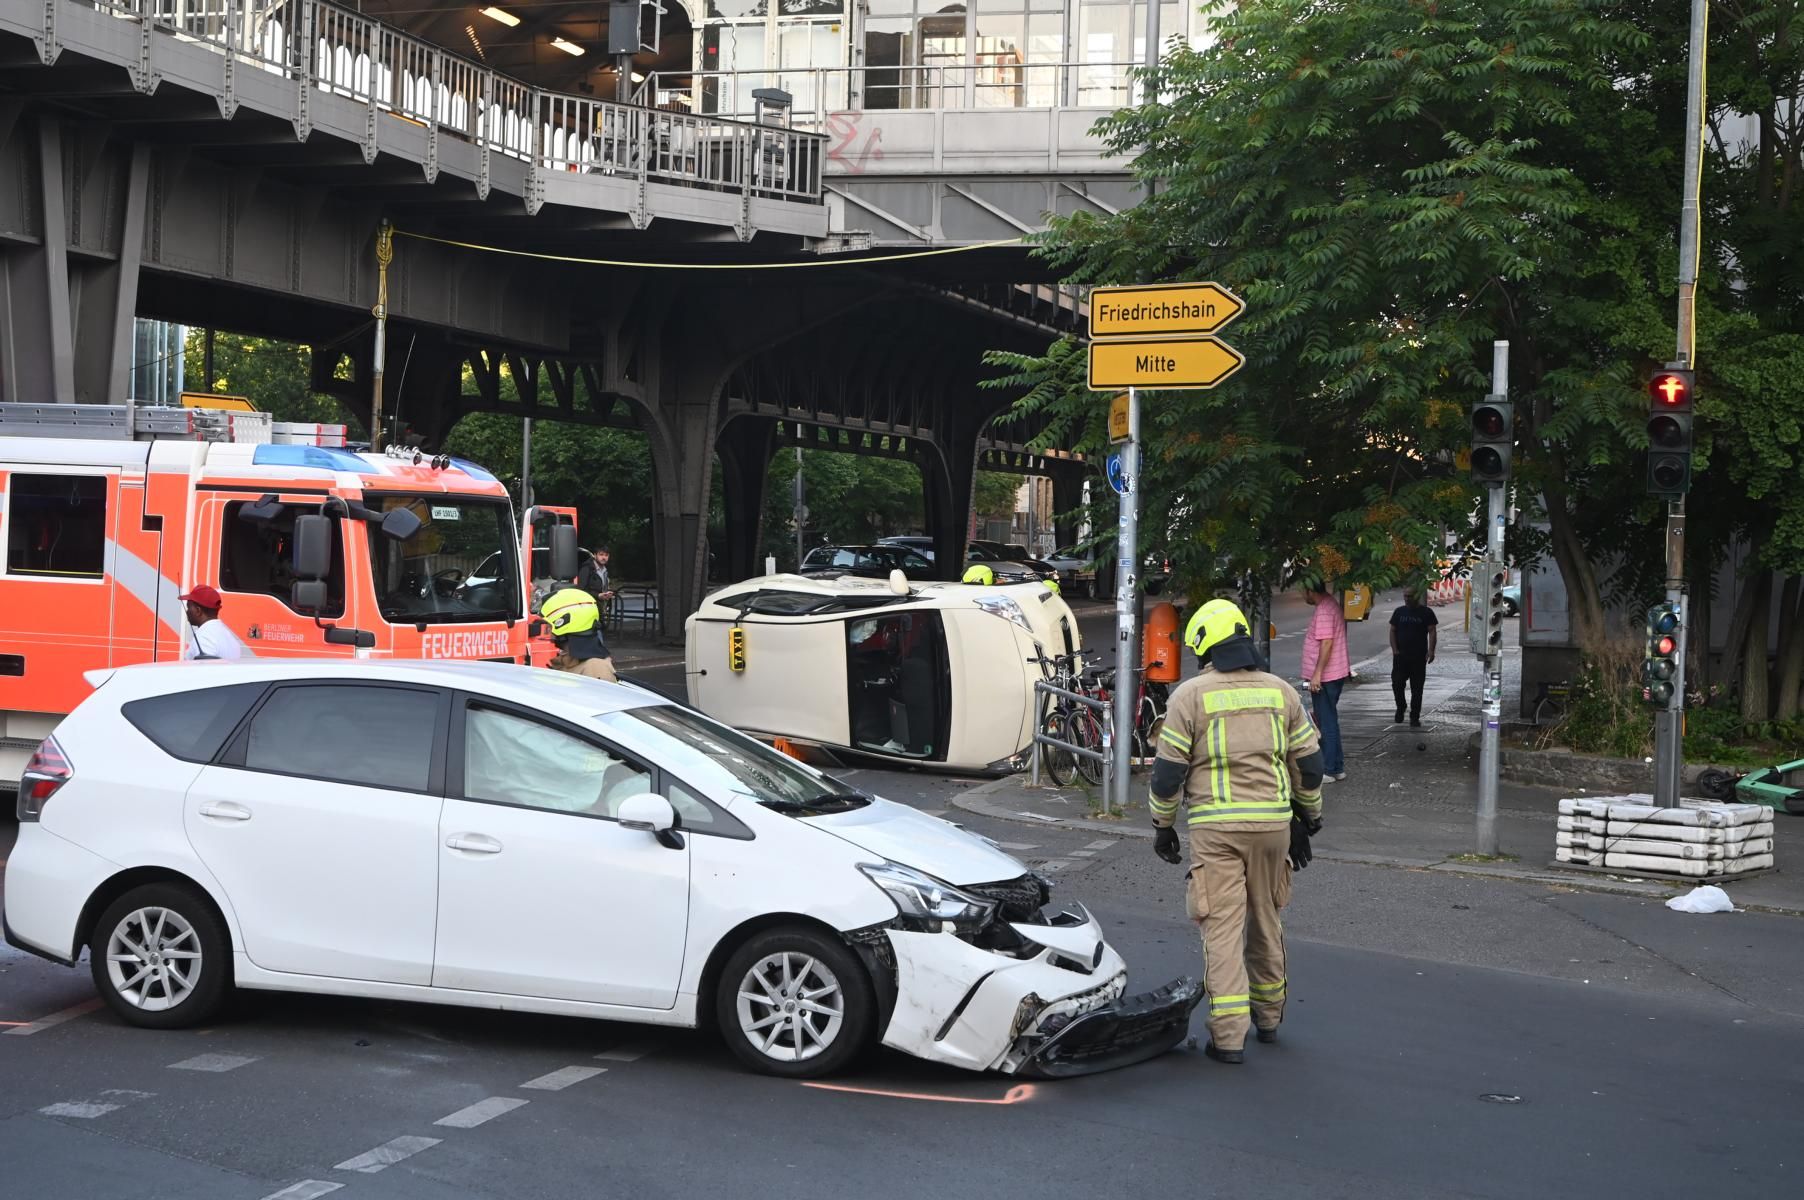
(475, 843)
(225, 810)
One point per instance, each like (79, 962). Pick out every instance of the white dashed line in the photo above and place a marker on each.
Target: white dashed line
(387, 1154)
(216, 1063)
(1104, 844)
(306, 1189)
(1081, 853)
(562, 1078)
(56, 1018)
(87, 1110)
(1055, 864)
(477, 1113)
(631, 1052)
(1018, 845)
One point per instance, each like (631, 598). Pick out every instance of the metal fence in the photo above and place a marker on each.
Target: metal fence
(339, 51)
(1045, 692)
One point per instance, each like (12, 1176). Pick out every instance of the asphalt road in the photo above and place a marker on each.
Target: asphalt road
(1447, 1037)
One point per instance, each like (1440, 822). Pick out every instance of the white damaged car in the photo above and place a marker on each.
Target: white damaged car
(492, 836)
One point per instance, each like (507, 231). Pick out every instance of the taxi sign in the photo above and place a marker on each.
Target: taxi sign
(1191, 364)
(1161, 309)
(1118, 418)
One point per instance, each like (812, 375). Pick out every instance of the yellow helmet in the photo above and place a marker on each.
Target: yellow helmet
(1212, 624)
(1052, 585)
(980, 574)
(570, 610)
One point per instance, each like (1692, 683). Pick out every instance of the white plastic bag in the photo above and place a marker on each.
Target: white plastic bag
(1706, 899)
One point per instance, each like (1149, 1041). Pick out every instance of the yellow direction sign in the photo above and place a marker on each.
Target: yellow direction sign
(1118, 418)
(1187, 364)
(1161, 309)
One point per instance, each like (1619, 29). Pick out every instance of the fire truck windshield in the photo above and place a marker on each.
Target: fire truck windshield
(462, 564)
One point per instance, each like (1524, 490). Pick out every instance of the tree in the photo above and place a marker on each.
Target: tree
(272, 375)
(1391, 185)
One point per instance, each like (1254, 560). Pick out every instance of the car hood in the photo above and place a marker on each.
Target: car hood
(914, 839)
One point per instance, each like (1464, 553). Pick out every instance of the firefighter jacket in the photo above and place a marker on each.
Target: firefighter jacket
(1240, 734)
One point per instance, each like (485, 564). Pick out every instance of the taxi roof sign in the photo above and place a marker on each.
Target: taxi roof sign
(1161, 310)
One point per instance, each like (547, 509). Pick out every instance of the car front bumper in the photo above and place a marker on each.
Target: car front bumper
(1055, 1009)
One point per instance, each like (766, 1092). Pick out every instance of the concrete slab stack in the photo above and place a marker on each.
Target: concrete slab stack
(1699, 840)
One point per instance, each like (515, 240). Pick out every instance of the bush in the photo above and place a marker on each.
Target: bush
(1605, 713)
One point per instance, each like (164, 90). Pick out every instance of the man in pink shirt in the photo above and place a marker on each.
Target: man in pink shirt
(1325, 667)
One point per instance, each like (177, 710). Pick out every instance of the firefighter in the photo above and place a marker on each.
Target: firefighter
(1239, 760)
(980, 574)
(575, 621)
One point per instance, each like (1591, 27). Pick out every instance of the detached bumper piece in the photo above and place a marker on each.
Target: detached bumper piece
(1132, 1030)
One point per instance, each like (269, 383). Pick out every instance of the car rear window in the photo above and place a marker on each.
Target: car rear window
(192, 726)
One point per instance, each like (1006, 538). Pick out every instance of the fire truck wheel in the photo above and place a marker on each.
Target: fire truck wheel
(161, 957)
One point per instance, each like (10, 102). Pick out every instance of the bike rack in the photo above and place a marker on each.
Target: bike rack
(1106, 757)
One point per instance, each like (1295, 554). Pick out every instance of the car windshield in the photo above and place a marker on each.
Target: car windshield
(709, 755)
(462, 564)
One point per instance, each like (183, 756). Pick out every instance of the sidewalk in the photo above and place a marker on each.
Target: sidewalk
(1410, 798)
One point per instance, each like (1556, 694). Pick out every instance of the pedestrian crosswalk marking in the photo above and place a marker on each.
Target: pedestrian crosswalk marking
(479, 1112)
(562, 1078)
(387, 1155)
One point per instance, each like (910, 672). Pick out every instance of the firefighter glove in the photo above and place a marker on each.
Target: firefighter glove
(1300, 853)
(1311, 824)
(1165, 844)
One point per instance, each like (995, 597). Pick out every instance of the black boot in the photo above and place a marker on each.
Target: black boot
(1233, 1057)
(1267, 1036)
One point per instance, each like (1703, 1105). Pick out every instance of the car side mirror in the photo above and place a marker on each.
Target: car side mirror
(563, 552)
(312, 557)
(307, 596)
(400, 523)
(647, 811)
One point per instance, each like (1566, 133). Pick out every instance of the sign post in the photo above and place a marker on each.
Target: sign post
(1148, 336)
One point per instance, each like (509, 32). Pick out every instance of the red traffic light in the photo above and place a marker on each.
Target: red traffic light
(1670, 389)
(1664, 646)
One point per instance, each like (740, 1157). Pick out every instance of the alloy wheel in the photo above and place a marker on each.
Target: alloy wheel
(790, 1006)
(153, 959)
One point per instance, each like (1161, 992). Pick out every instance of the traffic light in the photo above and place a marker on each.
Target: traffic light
(1493, 437)
(1659, 673)
(1484, 624)
(1669, 433)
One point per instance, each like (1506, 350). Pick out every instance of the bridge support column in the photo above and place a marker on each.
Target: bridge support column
(682, 426)
(746, 445)
(66, 322)
(1067, 498)
(948, 475)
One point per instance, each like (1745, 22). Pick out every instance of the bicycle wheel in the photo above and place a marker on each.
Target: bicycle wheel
(1147, 723)
(1083, 730)
(1060, 765)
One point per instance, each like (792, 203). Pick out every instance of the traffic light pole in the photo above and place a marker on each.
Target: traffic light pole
(1489, 754)
(1127, 578)
(1669, 722)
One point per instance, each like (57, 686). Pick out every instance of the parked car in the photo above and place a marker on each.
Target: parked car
(1077, 570)
(920, 545)
(1512, 600)
(869, 562)
(491, 836)
(1007, 570)
(994, 552)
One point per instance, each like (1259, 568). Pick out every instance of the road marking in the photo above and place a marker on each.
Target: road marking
(87, 1110)
(1104, 844)
(477, 1113)
(1018, 845)
(1055, 864)
(562, 1078)
(387, 1154)
(306, 1189)
(217, 1063)
(55, 1018)
(1081, 853)
(1015, 1095)
(630, 1052)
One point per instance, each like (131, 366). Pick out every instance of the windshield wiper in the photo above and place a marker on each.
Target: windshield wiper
(829, 803)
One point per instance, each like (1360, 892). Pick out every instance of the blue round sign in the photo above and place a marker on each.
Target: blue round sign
(1117, 476)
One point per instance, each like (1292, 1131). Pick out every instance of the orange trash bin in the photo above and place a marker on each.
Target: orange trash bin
(1160, 645)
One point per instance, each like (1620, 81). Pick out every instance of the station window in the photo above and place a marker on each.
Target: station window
(256, 557)
(56, 526)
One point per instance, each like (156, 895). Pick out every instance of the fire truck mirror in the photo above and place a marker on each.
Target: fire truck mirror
(339, 635)
(307, 596)
(563, 552)
(400, 523)
(312, 559)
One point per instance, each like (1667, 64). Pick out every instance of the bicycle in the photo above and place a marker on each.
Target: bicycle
(1551, 701)
(1149, 710)
(1069, 722)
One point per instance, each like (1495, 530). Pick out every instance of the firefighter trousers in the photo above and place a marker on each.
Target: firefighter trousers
(1239, 879)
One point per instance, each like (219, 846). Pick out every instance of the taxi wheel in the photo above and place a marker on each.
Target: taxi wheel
(161, 957)
(795, 1003)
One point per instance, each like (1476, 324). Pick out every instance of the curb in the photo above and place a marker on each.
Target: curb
(975, 800)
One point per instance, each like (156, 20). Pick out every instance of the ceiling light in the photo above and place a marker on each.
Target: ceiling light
(502, 15)
(638, 78)
(558, 43)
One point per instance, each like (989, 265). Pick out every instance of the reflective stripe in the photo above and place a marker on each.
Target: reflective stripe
(1215, 814)
(1164, 808)
(1235, 699)
(1267, 989)
(1221, 1004)
(1175, 739)
(1220, 770)
(1280, 768)
(1301, 731)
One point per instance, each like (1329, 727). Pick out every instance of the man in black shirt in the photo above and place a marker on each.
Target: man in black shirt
(1413, 636)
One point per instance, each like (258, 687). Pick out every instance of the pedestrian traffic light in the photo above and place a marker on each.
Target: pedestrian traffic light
(1659, 672)
(1493, 437)
(1484, 624)
(1669, 433)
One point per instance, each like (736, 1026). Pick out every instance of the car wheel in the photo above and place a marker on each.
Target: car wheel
(795, 1003)
(161, 957)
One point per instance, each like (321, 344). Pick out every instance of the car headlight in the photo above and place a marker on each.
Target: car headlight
(924, 902)
(1004, 607)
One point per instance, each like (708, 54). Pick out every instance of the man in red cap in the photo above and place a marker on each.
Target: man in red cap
(211, 637)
